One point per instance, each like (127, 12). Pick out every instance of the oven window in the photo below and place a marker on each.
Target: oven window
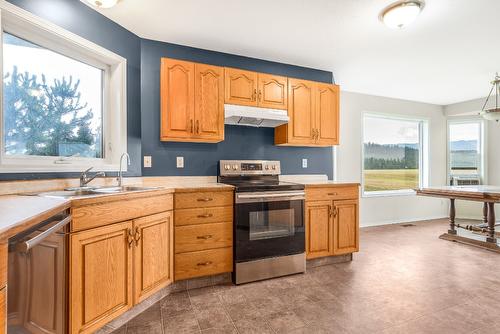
(267, 224)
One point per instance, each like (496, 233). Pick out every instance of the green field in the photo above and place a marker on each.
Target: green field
(390, 179)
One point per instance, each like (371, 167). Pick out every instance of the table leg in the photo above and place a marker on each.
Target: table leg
(452, 229)
(491, 223)
(485, 213)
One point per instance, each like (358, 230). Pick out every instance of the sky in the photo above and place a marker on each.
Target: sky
(389, 131)
(465, 131)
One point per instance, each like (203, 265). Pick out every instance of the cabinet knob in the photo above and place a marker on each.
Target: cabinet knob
(204, 237)
(205, 199)
(206, 215)
(192, 126)
(254, 95)
(204, 263)
(198, 126)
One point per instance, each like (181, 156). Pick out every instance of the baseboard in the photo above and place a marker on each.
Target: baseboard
(400, 221)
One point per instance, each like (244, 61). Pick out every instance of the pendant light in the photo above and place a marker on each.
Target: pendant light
(103, 3)
(401, 13)
(492, 114)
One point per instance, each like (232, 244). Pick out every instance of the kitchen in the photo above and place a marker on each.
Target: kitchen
(158, 186)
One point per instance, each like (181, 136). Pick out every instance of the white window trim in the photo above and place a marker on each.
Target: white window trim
(424, 171)
(483, 173)
(28, 26)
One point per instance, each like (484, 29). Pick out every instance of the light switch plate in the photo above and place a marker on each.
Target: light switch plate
(180, 162)
(148, 161)
(304, 163)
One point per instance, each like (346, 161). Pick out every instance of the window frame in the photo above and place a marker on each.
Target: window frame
(20, 23)
(424, 175)
(482, 145)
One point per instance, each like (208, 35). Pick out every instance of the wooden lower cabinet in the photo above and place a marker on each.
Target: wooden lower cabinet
(100, 276)
(346, 227)
(153, 254)
(116, 266)
(319, 229)
(3, 310)
(203, 263)
(332, 221)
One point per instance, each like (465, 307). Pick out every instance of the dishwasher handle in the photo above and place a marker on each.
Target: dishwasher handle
(25, 246)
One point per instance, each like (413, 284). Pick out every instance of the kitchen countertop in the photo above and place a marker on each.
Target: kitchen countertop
(17, 213)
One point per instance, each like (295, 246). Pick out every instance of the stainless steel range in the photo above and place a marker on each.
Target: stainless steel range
(269, 232)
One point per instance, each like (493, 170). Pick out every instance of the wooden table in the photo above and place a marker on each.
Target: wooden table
(489, 195)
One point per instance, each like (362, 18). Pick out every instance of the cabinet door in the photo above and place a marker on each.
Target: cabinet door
(327, 114)
(319, 229)
(100, 276)
(177, 99)
(301, 111)
(272, 91)
(209, 103)
(153, 254)
(346, 227)
(240, 87)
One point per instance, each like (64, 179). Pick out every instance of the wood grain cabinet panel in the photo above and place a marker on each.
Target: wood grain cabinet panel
(200, 237)
(327, 114)
(240, 87)
(203, 263)
(209, 103)
(177, 99)
(272, 91)
(3, 310)
(319, 229)
(346, 227)
(332, 193)
(153, 254)
(203, 215)
(100, 276)
(203, 199)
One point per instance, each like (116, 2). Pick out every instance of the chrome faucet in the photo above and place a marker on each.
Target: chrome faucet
(120, 173)
(85, 179)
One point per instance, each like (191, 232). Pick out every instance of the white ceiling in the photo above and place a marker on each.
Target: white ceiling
(448, 55)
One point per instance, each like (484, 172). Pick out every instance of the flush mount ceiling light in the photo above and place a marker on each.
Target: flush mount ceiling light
(103, 3)
(401, 13)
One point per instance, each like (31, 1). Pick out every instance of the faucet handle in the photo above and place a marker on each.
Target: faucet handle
(87, 170)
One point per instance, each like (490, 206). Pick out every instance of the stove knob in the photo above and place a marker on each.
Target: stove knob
(274, 167)
(227, 167)
(235, 167)
(267, 167)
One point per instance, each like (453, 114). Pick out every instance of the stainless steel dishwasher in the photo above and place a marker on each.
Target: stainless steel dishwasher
(38, 278)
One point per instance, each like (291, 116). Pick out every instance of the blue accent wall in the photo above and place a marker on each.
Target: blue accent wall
(143, 100)
(82, 20)
(240, 142)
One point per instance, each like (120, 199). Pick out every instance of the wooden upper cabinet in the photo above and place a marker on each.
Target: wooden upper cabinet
(272, 91)
(209, 102)
(153, 254)
(240, 87)
(177, 99)
(319, 229)
(301, 104)
(346, 227)
(100, 276)
(327, 114)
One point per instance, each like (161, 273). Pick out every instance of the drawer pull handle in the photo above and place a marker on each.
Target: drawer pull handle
(204, 237)
(204, 263)
(206, 215)
(332, 194)
(205, 199)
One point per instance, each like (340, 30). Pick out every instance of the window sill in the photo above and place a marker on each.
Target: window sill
(395, 193)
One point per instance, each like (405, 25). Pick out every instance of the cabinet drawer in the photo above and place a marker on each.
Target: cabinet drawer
(203, 215)
(332, 193)
(94, 215)
(200, 237)
(203, 199)
(203, 263)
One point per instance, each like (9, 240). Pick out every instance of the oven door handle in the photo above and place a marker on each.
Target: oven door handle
(288, 194)
(25, 246)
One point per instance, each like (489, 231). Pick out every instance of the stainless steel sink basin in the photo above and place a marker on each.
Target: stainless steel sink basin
(79, 192)
(112, 190)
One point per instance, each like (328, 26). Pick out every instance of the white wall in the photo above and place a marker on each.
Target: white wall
(391, 209)
(470, 109)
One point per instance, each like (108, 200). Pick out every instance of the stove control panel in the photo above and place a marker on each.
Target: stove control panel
(249, 167)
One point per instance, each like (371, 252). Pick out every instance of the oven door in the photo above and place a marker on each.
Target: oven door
(269, 224)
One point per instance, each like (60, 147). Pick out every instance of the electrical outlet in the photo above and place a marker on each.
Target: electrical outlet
(148, 162)
(304, 163)
(180, 162)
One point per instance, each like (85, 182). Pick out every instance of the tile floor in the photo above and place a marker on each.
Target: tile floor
(404, 280)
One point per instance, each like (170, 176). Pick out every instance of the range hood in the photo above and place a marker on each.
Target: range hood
(253, 116)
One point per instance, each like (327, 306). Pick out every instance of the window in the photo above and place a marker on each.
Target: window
(63, 98)
(393, 155)
(465, 152)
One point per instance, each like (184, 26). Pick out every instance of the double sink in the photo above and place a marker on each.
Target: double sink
(93, 191)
